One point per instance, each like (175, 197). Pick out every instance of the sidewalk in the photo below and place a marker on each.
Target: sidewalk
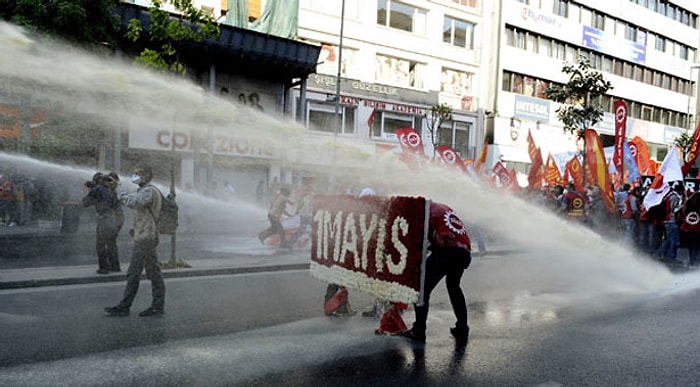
(72, 275)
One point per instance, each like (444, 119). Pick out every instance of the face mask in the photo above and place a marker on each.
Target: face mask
(135, 179)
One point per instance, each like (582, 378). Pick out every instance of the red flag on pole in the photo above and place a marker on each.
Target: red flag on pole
(551, 172)
(595, 158)
(639, 150)
(482, 157)
(412, 152)
(620, 134)
(575, 172)
(450, 158)
(693, 151)
(534, 178)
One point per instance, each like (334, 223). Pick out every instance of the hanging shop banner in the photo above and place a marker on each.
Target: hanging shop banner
(374, 244)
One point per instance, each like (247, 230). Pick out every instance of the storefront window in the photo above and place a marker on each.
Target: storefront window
(322, 118)
(386, 123)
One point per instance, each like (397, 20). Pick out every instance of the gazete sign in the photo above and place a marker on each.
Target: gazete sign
(374, 244)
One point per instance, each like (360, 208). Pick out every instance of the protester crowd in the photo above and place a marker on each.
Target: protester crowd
(658, 231)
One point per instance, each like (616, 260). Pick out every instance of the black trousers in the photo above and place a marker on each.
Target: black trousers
(448, 262)
(144, 256)
(106, 243)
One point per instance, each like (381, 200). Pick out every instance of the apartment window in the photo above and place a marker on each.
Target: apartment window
(507, 78)
(528, 86)
(571, 53)
(661, 8)
(524, 1)
(683, 51)
(531, 43)
(598, 21)
(618, 67)
(576, 13)
(674, 84)
(545, 46)
(666, 81)
(657, 79)
(558, 50)
(385, 123)
(631, 33)
(458, 33)
(652, 5)
(456, 135)
(648, 76)
(456, 82)
(399, 72)
(627, 71)
(517, 86)
(561, 8)
(394, 14)
(671, 11)
(607, 64)
(637, 73)
(660, 44)
(322, 118)
(596, 60)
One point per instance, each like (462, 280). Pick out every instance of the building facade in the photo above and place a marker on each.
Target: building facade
(647, 49)
(396, 60)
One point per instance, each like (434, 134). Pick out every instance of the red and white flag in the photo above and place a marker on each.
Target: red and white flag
(412, 152)
(450, 157)
(620, 108)
(669, 171)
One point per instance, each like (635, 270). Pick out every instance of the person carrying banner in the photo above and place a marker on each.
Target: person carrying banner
(450, 255)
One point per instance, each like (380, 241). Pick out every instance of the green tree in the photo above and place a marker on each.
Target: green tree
(579, 110)
(436, 116)
(167, 33)
(684, 141)
(91, 23)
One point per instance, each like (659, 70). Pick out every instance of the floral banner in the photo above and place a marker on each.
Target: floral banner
(374, 244)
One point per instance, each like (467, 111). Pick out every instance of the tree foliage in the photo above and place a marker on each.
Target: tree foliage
(684, 141)
(91, 23)
(167, 33)
(437, 115)
(578, 96)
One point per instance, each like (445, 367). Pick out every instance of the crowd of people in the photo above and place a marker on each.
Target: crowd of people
(658, 231)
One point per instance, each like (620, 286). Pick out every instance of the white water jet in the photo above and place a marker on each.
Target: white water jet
(563, 260)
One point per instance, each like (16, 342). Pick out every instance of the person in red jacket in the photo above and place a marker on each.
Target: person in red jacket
(450, 255)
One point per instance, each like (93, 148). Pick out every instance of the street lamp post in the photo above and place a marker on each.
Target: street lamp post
(338, 116)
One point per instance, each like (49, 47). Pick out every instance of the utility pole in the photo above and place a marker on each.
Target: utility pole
(338, 116)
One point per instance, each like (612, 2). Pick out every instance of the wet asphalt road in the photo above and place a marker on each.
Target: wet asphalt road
(267, 330)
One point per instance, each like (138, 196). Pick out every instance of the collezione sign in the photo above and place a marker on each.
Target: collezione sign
(373, 244)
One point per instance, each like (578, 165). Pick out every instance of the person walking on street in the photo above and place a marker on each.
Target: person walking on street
(101, 197)
(450, 255)
(146, 203)
(278, 208)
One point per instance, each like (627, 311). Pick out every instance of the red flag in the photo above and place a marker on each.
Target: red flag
(450, 158)
(551, 172)
(534, 178)
(595, 158)
(514, 186)
(532, 149)
(412, 152)
(575, 172)
(693, 151)
(620, 108)
(482, 157)
(639, 150)
(500, 170)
